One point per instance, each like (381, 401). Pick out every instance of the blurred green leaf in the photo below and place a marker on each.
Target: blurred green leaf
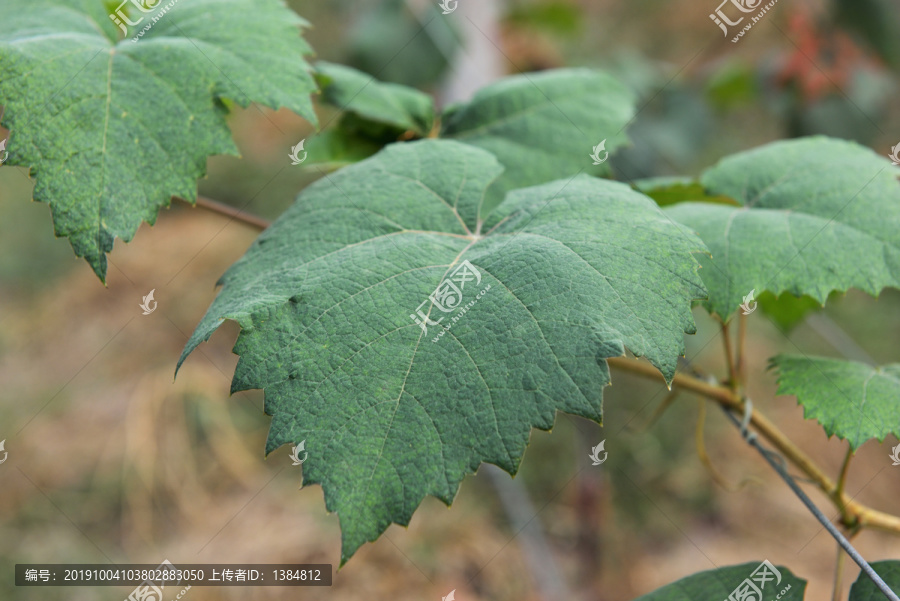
(877, 21)
(732, 85)
(668, 190)
(787, 310)
(391, 41)
(674, 128)
(393, 105)
(554, 16)
(338, 146)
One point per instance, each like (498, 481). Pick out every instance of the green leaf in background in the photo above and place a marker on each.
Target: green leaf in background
(394, 105)
(338, 147)
(733, 84)
(865, 590)
(668, 190)
(855, 401)
(374, 114)
(113, 128)
(399, 395)
(877, 21)
(543, 126)
(553, 16)
(719, 584)
(390, 40)
(816, 215)
(787, 310)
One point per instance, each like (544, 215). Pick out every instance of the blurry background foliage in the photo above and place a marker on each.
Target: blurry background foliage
(191, 458)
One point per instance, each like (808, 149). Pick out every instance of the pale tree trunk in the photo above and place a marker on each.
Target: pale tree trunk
(479, 61)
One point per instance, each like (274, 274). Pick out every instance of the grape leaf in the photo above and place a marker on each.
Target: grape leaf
(328, 299)
(722, 582)
(401, 107)
(855, 401)
(817, 215)
(865, 590)
(114, 128)
(543, 126)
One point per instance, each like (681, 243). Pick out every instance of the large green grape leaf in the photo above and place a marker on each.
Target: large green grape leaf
(714, 585)
(865, 590)
(856, 401)
(113, 128)
(544, 126)
(328, 299)
(817, 215)
(394, 105)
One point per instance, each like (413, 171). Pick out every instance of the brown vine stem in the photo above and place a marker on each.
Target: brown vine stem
(859, 514)
(229, 211)
(842, 480)
(435, 130)
(742, 337)
(837, 594)
(729, 357)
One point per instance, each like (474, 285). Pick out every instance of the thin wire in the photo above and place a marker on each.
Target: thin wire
(769, 456)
